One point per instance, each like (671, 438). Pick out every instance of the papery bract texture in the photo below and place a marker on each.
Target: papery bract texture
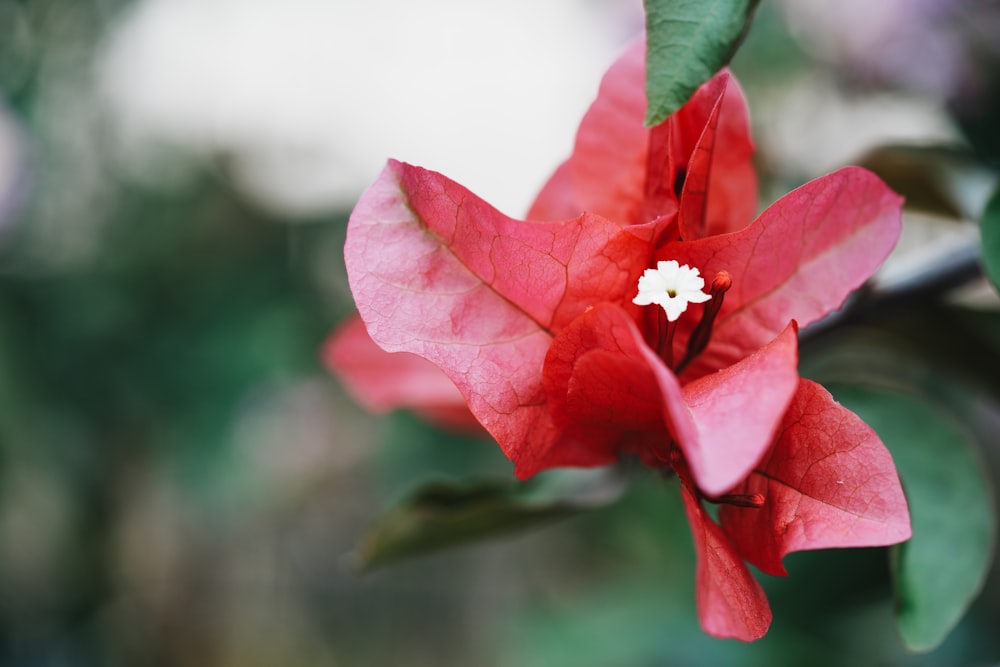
(383, 381)
(534, 324)
(829, 481)
(736, 412)
(438, 272)
(629, 173)
(731, 604)
(600, 387)
(798, 261)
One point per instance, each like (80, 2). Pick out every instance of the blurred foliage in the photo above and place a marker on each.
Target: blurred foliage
(143, 357)
(990, 231)
(942, 568)
(445, 513)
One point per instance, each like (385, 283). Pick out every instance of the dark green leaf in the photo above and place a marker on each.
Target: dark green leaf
(942, 568)
(990, 230)
(687, 41)
(442, 513)
(941, 180)
(984, 326)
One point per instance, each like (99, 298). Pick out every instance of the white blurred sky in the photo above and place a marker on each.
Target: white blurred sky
(312, 96)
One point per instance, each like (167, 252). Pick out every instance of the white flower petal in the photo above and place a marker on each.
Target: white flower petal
(672, 286)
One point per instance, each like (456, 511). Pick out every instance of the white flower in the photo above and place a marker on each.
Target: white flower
(672, 286)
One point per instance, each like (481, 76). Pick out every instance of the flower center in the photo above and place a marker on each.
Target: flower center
(672, 286)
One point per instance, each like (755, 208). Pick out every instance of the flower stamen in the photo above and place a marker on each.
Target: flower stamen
(703, 332)
(751, 500)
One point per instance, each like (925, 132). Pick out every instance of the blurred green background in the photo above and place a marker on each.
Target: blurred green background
(182, 483)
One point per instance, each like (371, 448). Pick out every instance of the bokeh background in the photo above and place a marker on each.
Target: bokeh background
(182, 482)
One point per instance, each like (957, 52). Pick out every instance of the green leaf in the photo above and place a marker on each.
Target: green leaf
(989, 227)
(443, 513)
(687, 41)
(941, 180)
(942, 568)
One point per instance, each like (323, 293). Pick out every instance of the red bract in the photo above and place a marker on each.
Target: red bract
(383, 382)
(534, 323)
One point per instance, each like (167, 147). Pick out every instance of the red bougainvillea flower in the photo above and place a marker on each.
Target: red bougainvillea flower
(639, 311)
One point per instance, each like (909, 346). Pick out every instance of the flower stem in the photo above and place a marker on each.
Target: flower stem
(665, 344)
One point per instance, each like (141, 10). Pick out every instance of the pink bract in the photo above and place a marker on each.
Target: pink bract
(532, 323)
